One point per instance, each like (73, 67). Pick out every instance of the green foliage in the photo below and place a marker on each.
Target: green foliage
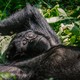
(7, 76)
(67, 27)
(55, 11)
(4, 42)
(69, 34)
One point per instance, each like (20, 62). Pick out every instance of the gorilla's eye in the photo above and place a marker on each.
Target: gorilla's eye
(24, 41)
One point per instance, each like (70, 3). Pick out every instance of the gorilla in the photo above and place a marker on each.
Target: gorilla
(27, 44)
(60, 62)
(34, 35)
(37, 41)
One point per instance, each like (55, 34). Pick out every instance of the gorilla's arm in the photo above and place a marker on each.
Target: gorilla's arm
(17, 21)
(29, 18)
(14, 22)
(13, 71)
(62, 62)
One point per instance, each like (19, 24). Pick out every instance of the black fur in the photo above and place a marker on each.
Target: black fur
(27, 44)
(28, 19)
(60, 62)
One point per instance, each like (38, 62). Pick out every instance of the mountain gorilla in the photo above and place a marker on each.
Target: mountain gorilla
(39, 42)
(60, 62)
(34, 35)
(27, 44)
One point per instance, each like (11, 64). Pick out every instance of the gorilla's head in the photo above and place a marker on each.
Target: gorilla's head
(27, 44)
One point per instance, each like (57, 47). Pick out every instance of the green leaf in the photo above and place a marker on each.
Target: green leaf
(75, 30)
(61, 12)
(73, 39)
(7, 75)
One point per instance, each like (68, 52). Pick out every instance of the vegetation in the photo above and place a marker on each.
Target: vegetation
(6, 75)
(63, 16)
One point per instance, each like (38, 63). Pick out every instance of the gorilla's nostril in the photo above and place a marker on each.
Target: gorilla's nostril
(30, 35)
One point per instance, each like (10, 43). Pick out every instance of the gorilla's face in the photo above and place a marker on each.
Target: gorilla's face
(28, 44)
